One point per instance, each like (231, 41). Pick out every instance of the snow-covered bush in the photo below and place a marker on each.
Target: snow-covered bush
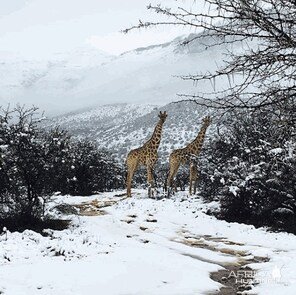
(140, 177)
(35, 163)
(161, 172)
(251, 168)
(28, 157)
(92, 170)
(182, 178)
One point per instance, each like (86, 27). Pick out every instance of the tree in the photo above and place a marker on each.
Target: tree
(28, 163)
(250, 165)
(266, 68)
(35, 163)
(250, 168)
(92, 170)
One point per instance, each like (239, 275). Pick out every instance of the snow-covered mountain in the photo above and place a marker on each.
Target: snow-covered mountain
(121, 127)
(47, 83)
(115, 99)
(87, 77)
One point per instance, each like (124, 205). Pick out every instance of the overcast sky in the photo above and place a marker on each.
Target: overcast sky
(38, 28)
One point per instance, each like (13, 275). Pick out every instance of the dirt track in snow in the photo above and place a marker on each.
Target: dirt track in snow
(235, 278)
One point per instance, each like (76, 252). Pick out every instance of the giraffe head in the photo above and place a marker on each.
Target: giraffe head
(206, 121)
(162, 116)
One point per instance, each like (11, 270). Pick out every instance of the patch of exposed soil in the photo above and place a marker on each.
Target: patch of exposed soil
(89, 209)
(128, 221)
(93, 208)
(235, 277)
(151, 220)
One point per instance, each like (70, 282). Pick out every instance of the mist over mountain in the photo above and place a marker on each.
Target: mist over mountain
(115, 100)
(87, 77)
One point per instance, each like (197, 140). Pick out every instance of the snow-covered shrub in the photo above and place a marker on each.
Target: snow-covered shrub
(182, 177)
(161, 173)
(35, 163)
(140, 177)
(92, 170)
(250, 167)
(28, 157)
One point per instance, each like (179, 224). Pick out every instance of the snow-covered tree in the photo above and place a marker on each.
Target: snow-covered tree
(92, 170)
(251, 168)
(35, 163)
(250, 165)
(28, 156)
(265, 29)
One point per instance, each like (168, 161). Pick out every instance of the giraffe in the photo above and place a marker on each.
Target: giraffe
(145, 155)
(193, 176)
(184, 155)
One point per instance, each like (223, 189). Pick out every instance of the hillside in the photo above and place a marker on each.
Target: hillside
(87, 77)
(121, 127)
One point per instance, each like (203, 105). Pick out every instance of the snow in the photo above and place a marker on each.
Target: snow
(233, 189)
(138, 247)
(86, 77)
(122, 127)
(276, 151)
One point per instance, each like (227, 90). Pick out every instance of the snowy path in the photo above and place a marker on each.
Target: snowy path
(144, 246)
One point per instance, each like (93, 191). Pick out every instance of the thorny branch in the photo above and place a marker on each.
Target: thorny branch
(264, 74)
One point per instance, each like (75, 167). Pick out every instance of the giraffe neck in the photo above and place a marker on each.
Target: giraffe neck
(154, 141)
(195, 146)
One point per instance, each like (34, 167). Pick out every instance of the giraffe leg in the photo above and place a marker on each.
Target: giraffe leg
(131, 168)
(194, 187)
(190, 184)
(174, 166)
(174, 184)
(150, 180)
(195, 183)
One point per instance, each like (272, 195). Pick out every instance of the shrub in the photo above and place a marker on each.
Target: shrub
(27, 155)
(92, 170)
(35, 163)
(250, 167)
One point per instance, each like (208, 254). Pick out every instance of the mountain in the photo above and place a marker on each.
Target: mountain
(47, 83)
(121, 127)
(87, 77)
(115, 100)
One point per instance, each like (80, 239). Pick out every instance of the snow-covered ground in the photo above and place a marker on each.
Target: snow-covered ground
(143, 246)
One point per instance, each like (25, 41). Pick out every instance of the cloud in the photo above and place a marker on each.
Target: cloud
(40, 28)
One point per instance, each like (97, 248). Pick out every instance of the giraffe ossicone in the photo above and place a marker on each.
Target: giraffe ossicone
(146, 155)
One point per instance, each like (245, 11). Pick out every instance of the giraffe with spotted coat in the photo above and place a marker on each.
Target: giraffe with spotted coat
(145, 155)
